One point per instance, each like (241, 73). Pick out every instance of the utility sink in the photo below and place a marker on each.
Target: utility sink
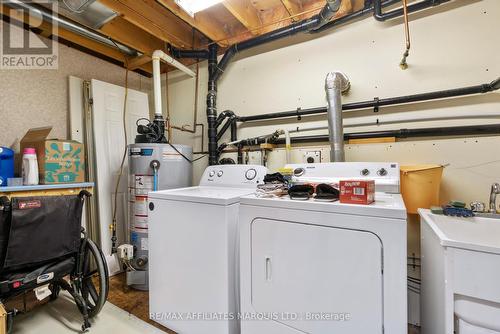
(460, 290)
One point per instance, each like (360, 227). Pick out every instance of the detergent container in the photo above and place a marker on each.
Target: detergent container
(6, 165)
(30, 167)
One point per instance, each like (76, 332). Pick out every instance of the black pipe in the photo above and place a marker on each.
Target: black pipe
(316, 23)
(414, 7)
(375, 103)
(309, 24)
(234, 129)
(196, 54)
(222, 116)
(368, 10)
(223, 130)
(212, 105)
(472, 130)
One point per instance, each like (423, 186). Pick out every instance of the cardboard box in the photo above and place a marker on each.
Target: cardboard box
(357, 192)
(59, 161)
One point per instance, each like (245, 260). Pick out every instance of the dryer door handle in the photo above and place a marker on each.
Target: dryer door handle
(268, 269)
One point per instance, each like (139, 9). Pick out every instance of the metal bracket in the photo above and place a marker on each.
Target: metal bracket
(376, 106)
(299, 117)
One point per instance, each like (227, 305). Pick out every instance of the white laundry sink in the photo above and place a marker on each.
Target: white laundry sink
(460, 274)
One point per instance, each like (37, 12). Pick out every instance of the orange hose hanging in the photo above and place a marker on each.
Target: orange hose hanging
(403, 64)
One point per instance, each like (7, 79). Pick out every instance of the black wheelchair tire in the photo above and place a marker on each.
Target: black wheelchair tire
(94, 298)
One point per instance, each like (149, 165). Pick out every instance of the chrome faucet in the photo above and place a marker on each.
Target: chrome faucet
(495, 190)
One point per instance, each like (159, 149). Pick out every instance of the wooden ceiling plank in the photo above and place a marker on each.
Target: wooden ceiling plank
(293, 8)
(138, 61)
(204, 24)
(155, 20)
(244, 12)
(129, 34)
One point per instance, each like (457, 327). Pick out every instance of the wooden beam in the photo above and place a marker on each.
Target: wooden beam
(372, 140)
(204, 23)
(129, 34)
(245, 12)
(138, 61)
(153, 18)
(293, 8)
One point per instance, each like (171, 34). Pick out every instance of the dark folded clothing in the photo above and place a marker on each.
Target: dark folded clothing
(274, 178)
(325, 192)
(301, 191)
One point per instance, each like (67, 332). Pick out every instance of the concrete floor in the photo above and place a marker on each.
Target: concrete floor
(126, 312)
(62, 316)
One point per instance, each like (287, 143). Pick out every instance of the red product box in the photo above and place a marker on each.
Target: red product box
(357, 192)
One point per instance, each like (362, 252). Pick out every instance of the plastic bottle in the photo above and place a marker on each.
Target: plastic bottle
(30, 167)
(6, 165)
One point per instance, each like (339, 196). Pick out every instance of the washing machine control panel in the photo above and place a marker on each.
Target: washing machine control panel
(233, 175)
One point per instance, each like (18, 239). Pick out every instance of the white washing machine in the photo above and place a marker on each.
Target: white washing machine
(193, 246)
(325, 267)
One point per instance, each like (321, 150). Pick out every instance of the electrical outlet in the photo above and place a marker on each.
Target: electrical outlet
(126, 252)
(311, 157)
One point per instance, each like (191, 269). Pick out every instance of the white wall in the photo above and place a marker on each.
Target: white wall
(454, 45)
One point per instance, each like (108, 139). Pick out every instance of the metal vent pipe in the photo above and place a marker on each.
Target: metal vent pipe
(336, 83)
(69, 25)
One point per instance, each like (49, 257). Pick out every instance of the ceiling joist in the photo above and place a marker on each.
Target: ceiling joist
(244, 12)
(293, 8)
(153, 18)
(129, 34)
(202, 22)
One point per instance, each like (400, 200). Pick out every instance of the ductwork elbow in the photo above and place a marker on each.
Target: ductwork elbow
(336, 83)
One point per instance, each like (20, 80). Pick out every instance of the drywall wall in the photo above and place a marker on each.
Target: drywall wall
(35, 98)
(453, 45)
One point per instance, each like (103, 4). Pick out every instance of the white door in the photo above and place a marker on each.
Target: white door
(317, 279)
(109, 145)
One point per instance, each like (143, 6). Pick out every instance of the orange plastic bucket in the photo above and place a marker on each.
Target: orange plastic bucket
(420, 185)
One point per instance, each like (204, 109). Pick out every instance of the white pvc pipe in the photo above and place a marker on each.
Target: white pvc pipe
(157, 57)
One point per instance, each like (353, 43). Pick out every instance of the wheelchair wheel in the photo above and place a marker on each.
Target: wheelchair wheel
(94, 286)
(55, 288)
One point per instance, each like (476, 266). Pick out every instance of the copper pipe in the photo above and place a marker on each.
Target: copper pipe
(167, 105)
(403, 64)
(185, 127)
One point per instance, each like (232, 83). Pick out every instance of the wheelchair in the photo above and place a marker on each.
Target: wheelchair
(43, 246)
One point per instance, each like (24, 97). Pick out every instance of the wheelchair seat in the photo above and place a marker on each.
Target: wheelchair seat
(18, 281)
(42, 243)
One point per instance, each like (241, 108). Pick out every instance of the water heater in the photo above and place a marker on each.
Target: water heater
(152, 166)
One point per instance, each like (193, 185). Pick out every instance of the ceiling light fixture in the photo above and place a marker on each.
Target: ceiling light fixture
(194, 6)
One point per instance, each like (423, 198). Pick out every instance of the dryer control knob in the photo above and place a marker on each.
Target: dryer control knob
(299, 171)
(382, 172)
(365, 172)
(250, 174)
(211, 174)
(219, 173)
